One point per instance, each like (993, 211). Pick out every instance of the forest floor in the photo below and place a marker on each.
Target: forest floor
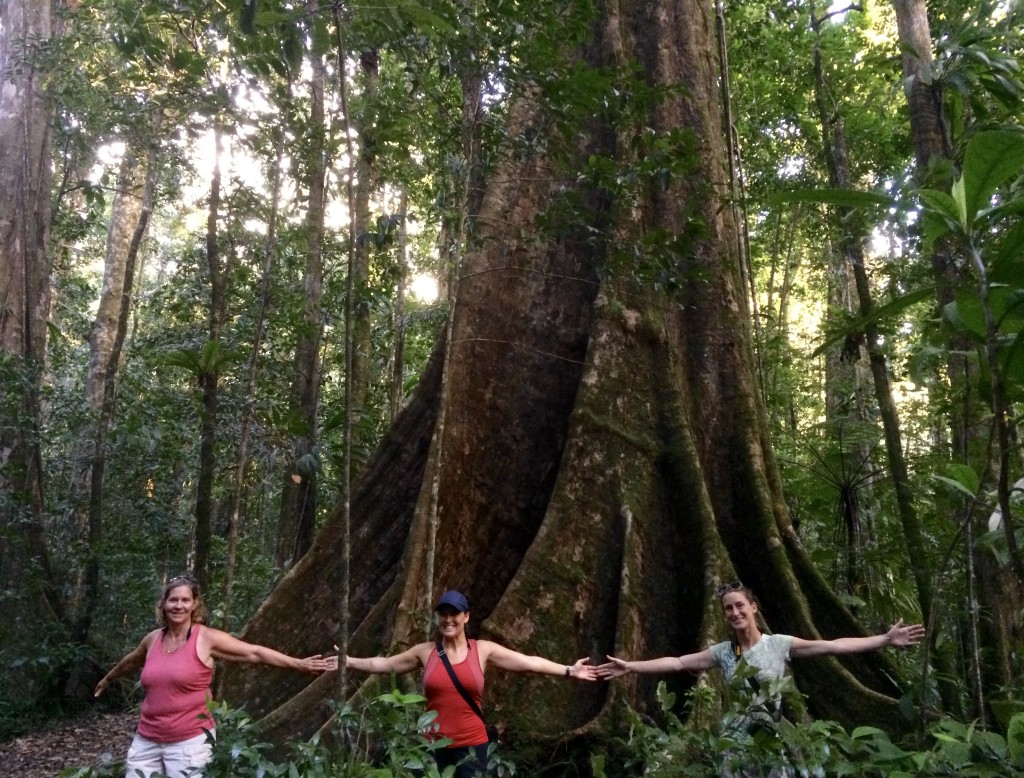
(89, 740)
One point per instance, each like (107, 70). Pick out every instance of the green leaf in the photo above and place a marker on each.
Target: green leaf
(187, 359)
(991, 158)
(959, 193)
(863, 732)
(425, 21)
(1008, 265)
(1015, 738)
(965, 476)
(1008, 308)
(890, 309)
(1013, 368)
(969, 314)
(933, 227)
(942, 205)
(954, 483)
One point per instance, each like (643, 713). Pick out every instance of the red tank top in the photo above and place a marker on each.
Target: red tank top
(455, 719)
(177, 687)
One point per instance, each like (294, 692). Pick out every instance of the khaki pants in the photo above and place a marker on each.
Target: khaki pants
(175, 760)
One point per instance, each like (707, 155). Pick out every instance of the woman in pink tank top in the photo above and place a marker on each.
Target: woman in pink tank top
(457, 719)
(174, 733)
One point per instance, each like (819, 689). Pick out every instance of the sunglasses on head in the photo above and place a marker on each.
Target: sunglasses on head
(732, 586)
(181, 579)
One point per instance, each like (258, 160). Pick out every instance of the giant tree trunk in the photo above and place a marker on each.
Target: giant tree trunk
(605, 458)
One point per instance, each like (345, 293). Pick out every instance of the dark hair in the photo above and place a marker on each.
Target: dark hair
(198, 613)
(737, 586)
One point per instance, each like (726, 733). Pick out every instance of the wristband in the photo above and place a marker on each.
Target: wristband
(568, 671)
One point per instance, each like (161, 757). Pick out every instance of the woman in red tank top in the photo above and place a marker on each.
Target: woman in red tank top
(469, 659)
(174, 733)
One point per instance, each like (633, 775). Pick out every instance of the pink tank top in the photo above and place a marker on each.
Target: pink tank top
(455, 719)
(177, 687)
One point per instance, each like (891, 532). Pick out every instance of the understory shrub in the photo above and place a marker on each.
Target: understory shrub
(382, 739)
(818, 749)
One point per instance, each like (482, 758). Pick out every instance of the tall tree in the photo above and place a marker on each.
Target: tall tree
(25, 181)
(851, 238)
(298, 498)
(133, 204)
(605, 458)
(365, 187)
(217, 266)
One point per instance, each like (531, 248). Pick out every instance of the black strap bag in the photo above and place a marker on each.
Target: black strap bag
(492, 731)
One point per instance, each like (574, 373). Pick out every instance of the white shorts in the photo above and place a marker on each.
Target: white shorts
(175, 760)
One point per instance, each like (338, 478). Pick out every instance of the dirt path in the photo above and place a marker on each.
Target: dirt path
(86, 741)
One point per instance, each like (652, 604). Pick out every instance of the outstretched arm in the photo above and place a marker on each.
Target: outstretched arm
(407, 661)
(129, 663)
(616, 668)
(221, 645)
(507, 659)
(899, 635)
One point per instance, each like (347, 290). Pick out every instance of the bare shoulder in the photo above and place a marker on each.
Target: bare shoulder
(415, 655)
(422, 652)
(487, 649)
(149, 640)
(213, 636)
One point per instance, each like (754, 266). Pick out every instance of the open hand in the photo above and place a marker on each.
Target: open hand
(901, 635)
(319, 664)
(583, 670)
(613, 668)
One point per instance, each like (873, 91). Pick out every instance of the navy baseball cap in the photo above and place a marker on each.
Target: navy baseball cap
(455, 600)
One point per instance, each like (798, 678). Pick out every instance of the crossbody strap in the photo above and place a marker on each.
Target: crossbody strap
(443, 656)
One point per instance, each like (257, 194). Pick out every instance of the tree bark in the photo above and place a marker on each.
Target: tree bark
(25, 214)
(209, 374)
(297, 519)
(606, 461)
(398, 315)
(242, 456)
(129, 218)
(365, 187)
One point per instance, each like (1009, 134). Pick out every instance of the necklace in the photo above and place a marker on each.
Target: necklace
(177, 648)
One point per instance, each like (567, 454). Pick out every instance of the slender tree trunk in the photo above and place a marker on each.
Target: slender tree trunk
(298, 498)
(129, 218)
(122, 277)
(129, 221)
(398, 309)
(847, 398)
(209, 376)
(238, 483)
(25, 214)
(365, 187)
(853, 252)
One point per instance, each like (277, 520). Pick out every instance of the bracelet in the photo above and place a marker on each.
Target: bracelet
(568, 671)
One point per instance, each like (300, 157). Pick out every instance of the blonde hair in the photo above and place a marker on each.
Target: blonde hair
(198, 613)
